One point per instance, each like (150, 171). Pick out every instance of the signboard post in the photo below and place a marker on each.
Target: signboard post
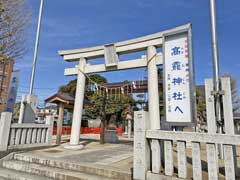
(179, 79)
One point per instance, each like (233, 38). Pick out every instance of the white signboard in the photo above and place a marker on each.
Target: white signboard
(178, 78)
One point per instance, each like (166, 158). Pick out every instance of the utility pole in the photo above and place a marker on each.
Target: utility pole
(29, 99)
(36, 48)
(217, 87)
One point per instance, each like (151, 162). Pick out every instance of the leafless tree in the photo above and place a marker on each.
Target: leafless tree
(235, 95)
(14, 16)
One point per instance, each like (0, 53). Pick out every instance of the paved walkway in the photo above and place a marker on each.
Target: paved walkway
(118, 155)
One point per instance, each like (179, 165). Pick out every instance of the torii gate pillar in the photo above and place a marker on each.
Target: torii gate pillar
(153, 94)
(78, 106)
(153, 106)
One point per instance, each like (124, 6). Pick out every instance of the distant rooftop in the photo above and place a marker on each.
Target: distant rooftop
(60, 98)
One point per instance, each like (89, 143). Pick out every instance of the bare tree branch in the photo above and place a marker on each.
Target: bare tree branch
(14, 16)
(234, 91)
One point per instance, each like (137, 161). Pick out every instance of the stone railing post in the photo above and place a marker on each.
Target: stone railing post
(5, 124)
(49, 121)
(229, 128)
(141, 159)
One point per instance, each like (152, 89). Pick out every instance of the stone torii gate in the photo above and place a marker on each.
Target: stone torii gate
(111, 53)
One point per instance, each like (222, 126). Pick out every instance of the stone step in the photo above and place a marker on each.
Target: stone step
(3, 178)
(100, 170)
(16, 175)
(51, 172)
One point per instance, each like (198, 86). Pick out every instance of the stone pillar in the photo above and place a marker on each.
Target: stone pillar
(229, 128)
(5, 124)
(78, 106)
(153, 94)
(141, 150)
(59, 123)
(129, 129)
(153, 106)
(210, 107)
(49, 122)
(126, 126)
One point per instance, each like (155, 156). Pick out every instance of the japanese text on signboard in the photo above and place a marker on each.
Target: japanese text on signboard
(177, 78)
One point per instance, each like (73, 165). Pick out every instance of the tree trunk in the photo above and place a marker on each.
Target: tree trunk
(103, 119)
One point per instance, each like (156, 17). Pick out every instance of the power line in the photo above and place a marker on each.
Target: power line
(24, 87)
(39, 94)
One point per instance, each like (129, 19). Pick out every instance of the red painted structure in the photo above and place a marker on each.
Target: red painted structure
(66, 130)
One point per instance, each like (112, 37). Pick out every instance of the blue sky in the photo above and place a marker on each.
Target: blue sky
(76, 24)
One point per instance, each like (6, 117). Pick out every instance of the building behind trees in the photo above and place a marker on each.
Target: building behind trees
(6, 69)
